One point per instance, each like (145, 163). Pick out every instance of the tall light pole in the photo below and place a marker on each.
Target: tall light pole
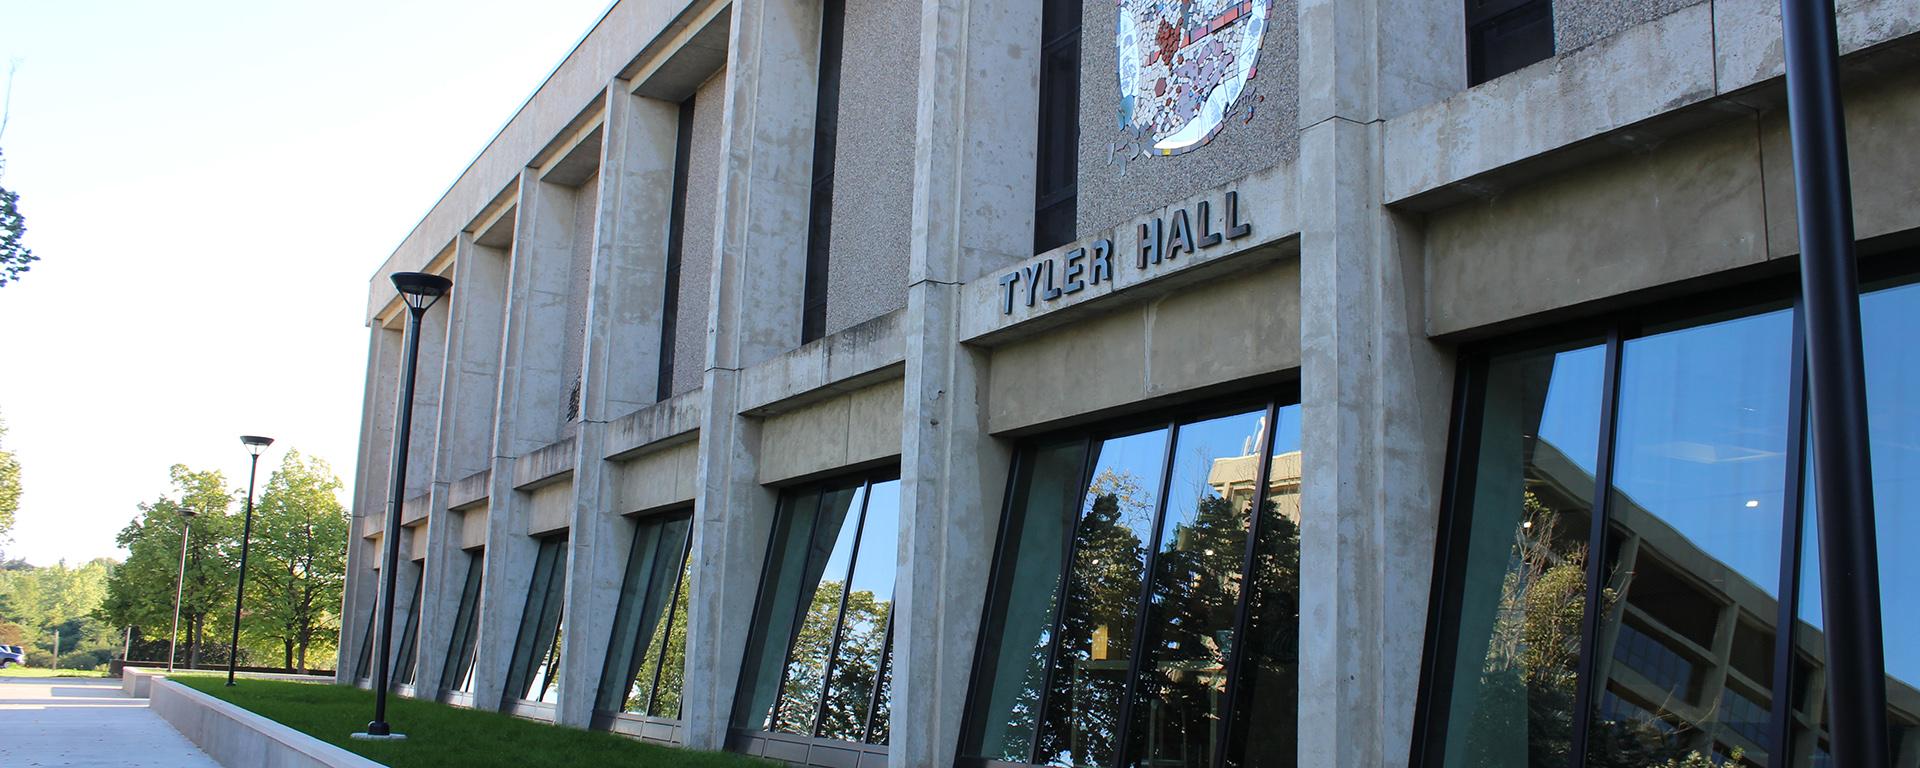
(1836, 387)
(255, 446)
(419, 290)
(179, 586)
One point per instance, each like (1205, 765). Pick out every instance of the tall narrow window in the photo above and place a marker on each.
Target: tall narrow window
(409, 634)
(1505, 35)
(458, 674)
(363, 668)
(676, 229)
(1121, 586)
(649, 618)
(1056, 175)
(536, 652)
(818, 658)
(826, 133)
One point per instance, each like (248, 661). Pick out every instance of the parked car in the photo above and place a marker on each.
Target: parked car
(11, 655)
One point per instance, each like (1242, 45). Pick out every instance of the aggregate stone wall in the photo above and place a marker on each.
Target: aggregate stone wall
(1111, 190)
(696, 238)
(873, 162)
(1580, 23)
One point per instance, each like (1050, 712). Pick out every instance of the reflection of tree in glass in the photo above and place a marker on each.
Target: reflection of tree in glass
(848, 697)
(1102, 594)
(1267, 690)
(666, 700)
(1195, 594)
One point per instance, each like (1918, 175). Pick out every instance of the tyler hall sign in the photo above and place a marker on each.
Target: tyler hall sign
(1161, 239)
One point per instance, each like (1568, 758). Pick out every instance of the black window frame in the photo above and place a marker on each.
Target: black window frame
(404, 664)
(865, 481)
(826, 136)
(676, 230)
(1769, 291)
(462, 650)
(542, 598)
(1272, 398)
(1502, 36)
(674, 598)
(1057, 133)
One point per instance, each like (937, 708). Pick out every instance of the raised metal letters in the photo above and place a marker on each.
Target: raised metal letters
(1087, 266)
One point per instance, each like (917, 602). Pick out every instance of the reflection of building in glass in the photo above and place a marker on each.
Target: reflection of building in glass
(1233, 479)
(1688, 642)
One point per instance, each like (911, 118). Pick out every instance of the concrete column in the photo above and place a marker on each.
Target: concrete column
(973, 211)
(1374, 391)
(620, 373)
(370, 488)
(464, 438)
(531, 403)
(759, 224)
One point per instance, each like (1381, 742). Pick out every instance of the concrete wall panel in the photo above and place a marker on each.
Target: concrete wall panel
(549, 508)
(1883, 127)
(1580, 23)
(656, 479)
(1690, 207)
(473, 526)
(849, 429)
(1247, 325)
(873, 163)
(696, 239)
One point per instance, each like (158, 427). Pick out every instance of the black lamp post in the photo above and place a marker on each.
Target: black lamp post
(255, 446)
(179, 586)
(419, 290)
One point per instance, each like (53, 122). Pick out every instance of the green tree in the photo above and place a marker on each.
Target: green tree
(36, 603)
(15, 257)
(299, 561)
(9, 486)
(141, 592)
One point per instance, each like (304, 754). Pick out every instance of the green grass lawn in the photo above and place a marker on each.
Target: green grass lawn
(440, 735)
(19, 671)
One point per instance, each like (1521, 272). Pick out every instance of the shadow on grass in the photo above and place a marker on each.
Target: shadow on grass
(442, 736)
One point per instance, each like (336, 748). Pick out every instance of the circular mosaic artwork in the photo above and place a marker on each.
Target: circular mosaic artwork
(1183, 64)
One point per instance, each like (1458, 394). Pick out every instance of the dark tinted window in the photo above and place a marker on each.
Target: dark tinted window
(1505, 35)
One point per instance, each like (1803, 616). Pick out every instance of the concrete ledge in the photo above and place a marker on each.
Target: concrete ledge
(660, 425)
(842, 362)
(545, 464)
(240, 739)
(468, 490)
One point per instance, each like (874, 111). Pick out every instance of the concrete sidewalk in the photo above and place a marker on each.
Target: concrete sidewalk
(48, 722)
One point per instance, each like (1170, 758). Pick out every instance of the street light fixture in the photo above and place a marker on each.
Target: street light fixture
(419, 290)
(179, 584)
(255, 446)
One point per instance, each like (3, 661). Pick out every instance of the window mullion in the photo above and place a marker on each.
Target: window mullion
(1146, 596)
(1584, 690)
(1242, 607)
(840, 613)
(1060, 603)
(1780, 714)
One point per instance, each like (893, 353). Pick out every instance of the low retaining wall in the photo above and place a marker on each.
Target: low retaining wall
(136, 682)
(237, 738)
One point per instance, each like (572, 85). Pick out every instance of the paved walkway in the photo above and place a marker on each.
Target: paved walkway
(76, 722)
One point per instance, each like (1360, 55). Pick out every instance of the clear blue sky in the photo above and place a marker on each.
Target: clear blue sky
(210, 186)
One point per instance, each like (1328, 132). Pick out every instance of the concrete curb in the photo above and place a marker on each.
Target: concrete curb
(237, 738)
(136, 682)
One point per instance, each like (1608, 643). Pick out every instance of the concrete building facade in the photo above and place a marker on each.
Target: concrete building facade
(817, 365)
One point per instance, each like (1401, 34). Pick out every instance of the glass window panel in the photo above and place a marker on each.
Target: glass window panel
(863, 622)
(1180, 693)
(536, 651)
(1522, 587)
(673, 655)
(363, 669)
(1082, 719)
(458, 675)
(1699, 481)
(668, 565)
(1266, 709)
(1888, 317)
(826, 581)
(880, 728)
(774, 615)
(409, 635)
(618, 686)
(1019, 624)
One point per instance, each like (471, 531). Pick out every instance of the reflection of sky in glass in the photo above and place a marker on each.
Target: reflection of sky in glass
(1887, 320)
(1194, 452)
(1702, 436)
(1568, 420)
(880, 542)
(849, 517)
(1136, 458)
(1286, 432)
